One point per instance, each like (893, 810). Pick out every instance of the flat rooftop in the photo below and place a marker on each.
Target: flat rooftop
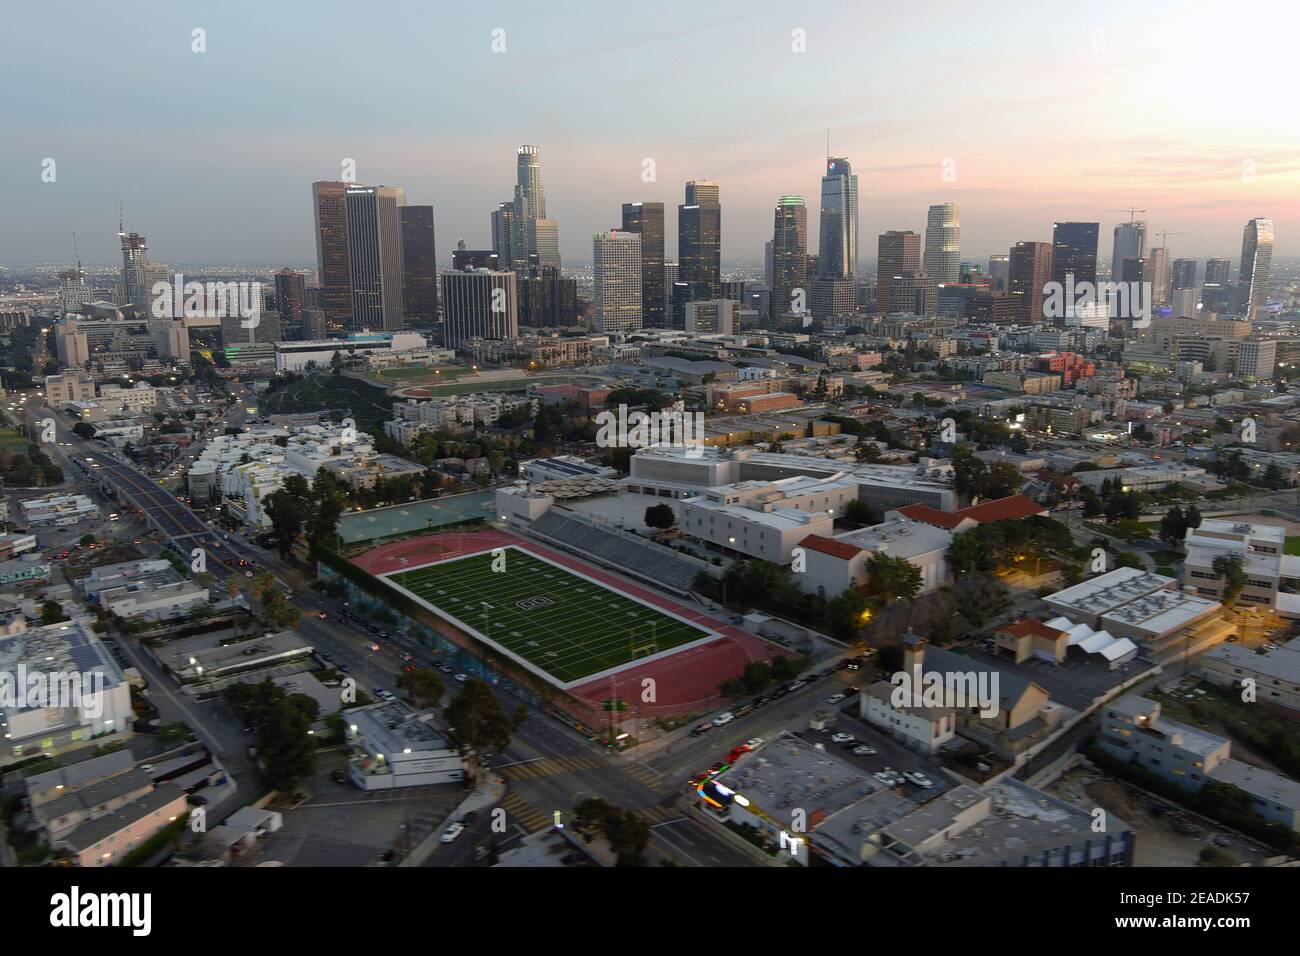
(1107, 591)
(392, 727)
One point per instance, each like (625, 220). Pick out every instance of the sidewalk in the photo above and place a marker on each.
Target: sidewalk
(488, 793)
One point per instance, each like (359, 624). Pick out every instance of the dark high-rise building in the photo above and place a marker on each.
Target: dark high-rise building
(1074, 251)
(1130, 243)
(1218, 271)
(646, 219)
(547, 299)
(699, 235)
(290, 295)
(419, 265)
(896, 252)
(375, 255)
(790, 257)
(1184, 276)
(478, 303)
(1256, 266)
(462, 258)
(135, 271)
(734, 289)
(329, 206)
(1031, 270)
(837, 250)
(683, 293)
(503, 219)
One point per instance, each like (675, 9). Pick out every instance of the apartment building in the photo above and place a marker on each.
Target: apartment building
(1272, 576)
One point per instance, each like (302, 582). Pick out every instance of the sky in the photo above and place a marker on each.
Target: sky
(1023, 113)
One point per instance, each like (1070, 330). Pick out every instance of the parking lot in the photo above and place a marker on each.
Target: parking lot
(889, 753)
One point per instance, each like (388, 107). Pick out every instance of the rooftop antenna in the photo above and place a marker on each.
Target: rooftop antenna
(121, 215)
(75, 252)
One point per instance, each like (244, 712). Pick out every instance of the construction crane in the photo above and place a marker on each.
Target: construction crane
(1164, 238)
(1132, 212)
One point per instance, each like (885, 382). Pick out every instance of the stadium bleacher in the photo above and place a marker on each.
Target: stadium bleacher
(642, 559)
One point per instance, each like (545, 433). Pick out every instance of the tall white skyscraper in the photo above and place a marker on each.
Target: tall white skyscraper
(837, 251)
(1256, 266)
(942, 260)
(617, 287)
(375, 255)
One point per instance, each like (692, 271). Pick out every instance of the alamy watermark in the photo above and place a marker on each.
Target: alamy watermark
(208, 300)
(36, 690)
(622, 429)
(958, 690)
(1121, 300)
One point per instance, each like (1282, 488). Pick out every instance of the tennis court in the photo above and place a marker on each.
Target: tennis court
(555, 621)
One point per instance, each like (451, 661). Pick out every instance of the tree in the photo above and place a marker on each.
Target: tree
(660, 516)
(893, 578)
(285, 745)
(336, 363)
(1173, 526)
(1230, 569)
(846, 614)
(859, 512)
(84, 430)
(423, 684)
(477, 717)
(52, 613)
(287, 512)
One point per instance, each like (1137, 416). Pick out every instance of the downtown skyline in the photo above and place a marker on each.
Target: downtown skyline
(223, 182)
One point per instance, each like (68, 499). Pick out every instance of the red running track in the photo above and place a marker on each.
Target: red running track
(683, 681)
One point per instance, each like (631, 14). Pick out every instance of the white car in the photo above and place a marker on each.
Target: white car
(842, 738)
(461, 678)
(920, 779)
(835, 698)
(753, 743)
(725, 717)
(862, 750)
(453, 830)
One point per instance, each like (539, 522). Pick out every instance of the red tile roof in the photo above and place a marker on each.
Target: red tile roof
(1031, 625)
(943, 519)
(830, 546)
(1001, 509)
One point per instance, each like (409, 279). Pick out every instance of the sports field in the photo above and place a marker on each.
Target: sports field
(560, 623)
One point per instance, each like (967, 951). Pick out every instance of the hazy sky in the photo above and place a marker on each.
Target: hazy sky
(1045, 109)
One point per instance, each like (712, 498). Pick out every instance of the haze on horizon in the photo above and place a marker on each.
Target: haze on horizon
(1045, 110)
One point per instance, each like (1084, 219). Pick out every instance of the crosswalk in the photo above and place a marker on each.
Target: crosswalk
(521, 812)
(551, 766)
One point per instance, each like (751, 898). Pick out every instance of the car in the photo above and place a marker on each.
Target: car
(322, 615)
(862, 750)
(344, 668)
(248, 574)
(842, 738)
(453, 830)
(835, 698)
(373, 646)
(462, 678)
(701, 729)
(854, 689)
(795, 686)
(196, 800)
(445, 668)
(725, 717)
(753, 743)
(854, 665)
(339, 776)
(1270, 647)
(384, 694)
(918, 778)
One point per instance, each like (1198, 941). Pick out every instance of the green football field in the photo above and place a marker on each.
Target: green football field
(565, 625)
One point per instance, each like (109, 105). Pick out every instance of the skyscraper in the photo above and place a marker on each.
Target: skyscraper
(837, 250)
(329, 206)
(1130, 243)
(503, 224)
(74, 290)
(999, 272)
(1184, 276)
(1158, 269)
(1031, 269)
(530, 230)
(789, 256)
(135, 271)
(1218, 271)
(1074, 251)
(289, 296)
(1256, 265)
(896, 252)
(646, 219)
(943, 243)
(617, 280)
(419, 264)
(699, 235)
(478, 303)
(375, 255)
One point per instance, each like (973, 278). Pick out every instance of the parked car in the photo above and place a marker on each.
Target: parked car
(384, 694)
(701, 729)
(197, 800)
(835, 698)
(918, 778)
(452, 832)
(461, 678)
(725, 717)
(842, 738)
(862, 750)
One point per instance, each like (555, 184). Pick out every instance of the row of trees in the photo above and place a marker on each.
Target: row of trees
(298, 508)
